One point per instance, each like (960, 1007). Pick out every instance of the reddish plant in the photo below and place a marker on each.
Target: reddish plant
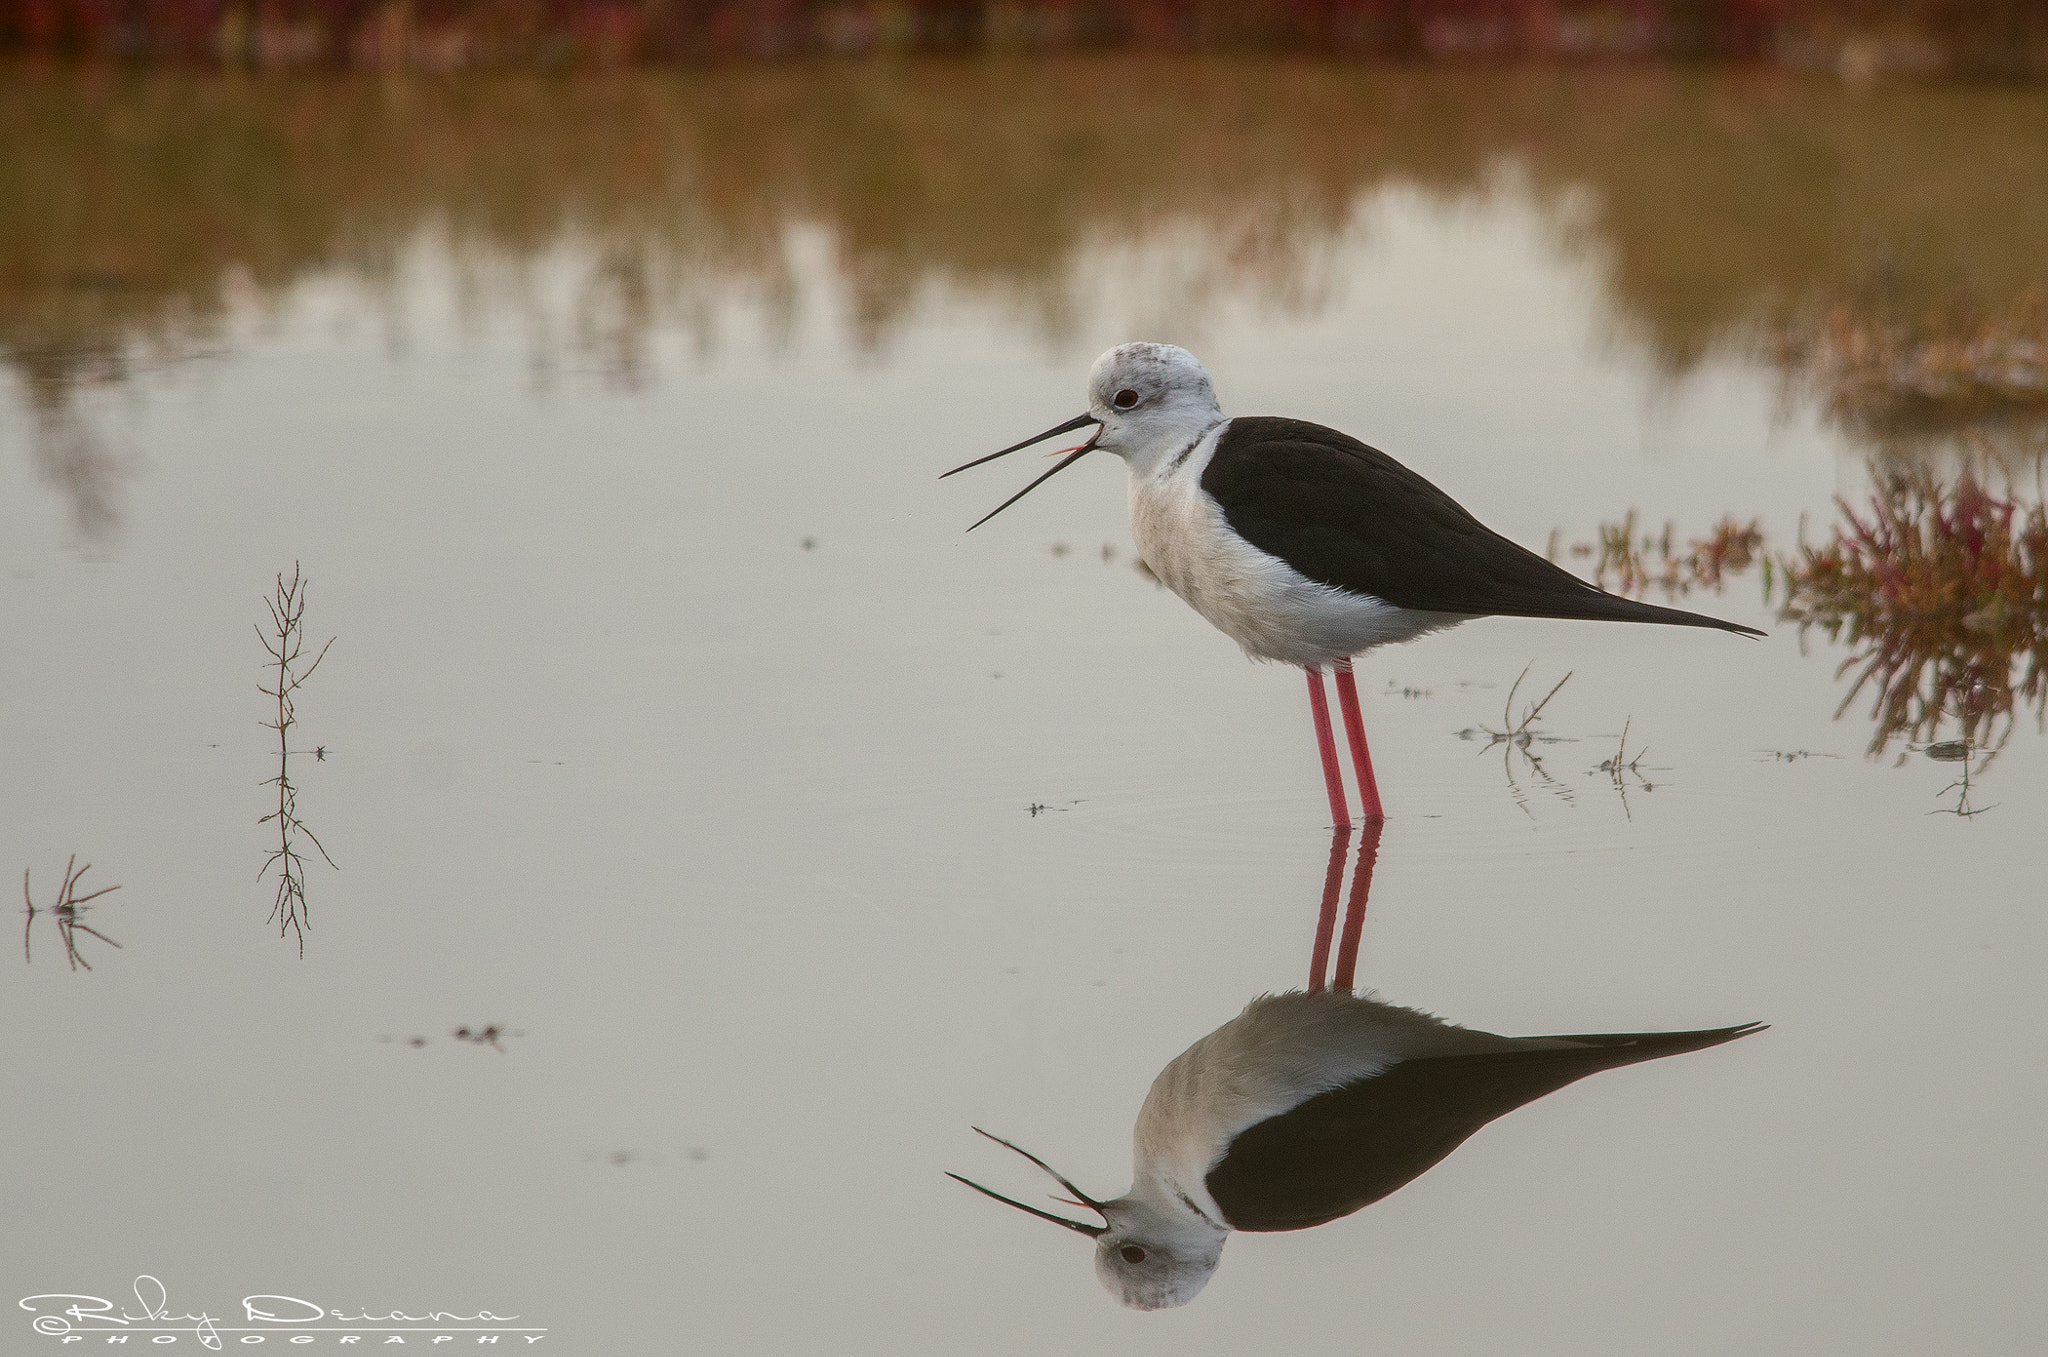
(1942, 592)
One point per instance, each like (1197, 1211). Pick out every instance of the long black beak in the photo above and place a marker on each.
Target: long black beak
(1079, 421)
(1081, 1198)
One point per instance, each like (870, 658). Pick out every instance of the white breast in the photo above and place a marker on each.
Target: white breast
(1255, 598)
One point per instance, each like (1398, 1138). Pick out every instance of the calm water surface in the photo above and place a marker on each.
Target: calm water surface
(673, 725)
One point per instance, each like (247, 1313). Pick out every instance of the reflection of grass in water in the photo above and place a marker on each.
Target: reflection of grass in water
(1631, 562)
(286, 641)
(1904, 378)
(133, 208)
(1942, 590)
(145, 215)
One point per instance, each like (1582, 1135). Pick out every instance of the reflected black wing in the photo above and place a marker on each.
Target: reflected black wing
(1350, 1147)
(1348, 515)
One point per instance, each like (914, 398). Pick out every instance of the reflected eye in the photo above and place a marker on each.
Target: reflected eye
(1131, 1252)
(1124, 400)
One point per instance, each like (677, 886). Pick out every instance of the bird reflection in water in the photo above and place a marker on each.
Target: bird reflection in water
(1354, 908)
(1310, 1105)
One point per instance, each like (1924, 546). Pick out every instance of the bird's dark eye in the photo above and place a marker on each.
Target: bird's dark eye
(1124, 400)
(1131, 1252)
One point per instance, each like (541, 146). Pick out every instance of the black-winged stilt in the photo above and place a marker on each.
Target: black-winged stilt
(1302, 544)
(1305, 1108)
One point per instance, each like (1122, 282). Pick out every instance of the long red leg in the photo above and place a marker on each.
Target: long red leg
(1354, 728)
(1326, 745)
(1354, 911)
(1326, 919)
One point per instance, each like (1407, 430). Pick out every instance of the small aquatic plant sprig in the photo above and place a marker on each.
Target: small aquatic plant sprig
(1943, 592)
(66, 910)
(1520, 736)
(286, 643)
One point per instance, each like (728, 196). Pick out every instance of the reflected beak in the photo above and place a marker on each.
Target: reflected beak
(1079, 421)
(1080, 1198)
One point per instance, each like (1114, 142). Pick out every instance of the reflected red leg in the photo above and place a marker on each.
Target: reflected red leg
(1326, 745)
(1354, 910)
(1354, 729)
(1326, 919)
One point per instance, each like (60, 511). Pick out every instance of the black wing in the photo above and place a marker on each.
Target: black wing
(1348, 1148)
(1348, 515)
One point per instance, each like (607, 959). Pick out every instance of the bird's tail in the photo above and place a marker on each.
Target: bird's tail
(1595, 605)
(1627, 1048)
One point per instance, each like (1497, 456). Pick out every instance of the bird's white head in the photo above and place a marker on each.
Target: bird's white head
(1147, 401)
(1155, 1255)
(1152, 400)
(1152, 1251)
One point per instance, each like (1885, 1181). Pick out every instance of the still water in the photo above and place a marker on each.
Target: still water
(763, 833)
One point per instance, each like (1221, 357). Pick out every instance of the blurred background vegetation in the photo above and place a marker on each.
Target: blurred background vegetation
(2002, 37)
(1837, 233)
(1854, 197)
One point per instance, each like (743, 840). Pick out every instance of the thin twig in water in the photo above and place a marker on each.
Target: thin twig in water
(286, 645)
(1518, 737)
(1621, 763)
(1621, 767)
(1962, 809)
(1519, 730)
(66, 911)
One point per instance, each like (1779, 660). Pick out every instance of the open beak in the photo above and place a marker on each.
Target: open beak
(1079, 421)
(1080, 1198)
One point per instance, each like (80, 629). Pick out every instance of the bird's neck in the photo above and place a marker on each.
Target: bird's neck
(1172, 444)
(1184, 1212)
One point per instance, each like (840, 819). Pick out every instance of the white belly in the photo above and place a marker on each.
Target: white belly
(1254, 598)
(1281, 1051)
